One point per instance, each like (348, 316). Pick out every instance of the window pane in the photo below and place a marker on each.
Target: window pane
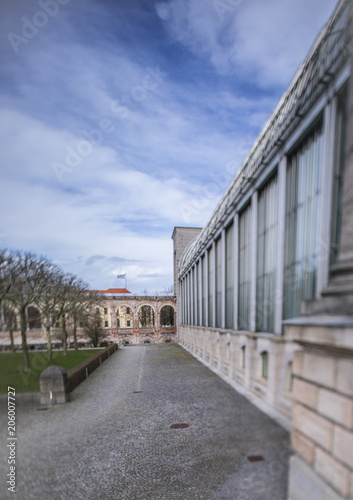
(266, 256)
(204, 291)
(303, 195)
(244, 269)
(219, 283)
(199, 299)
(210, 286)
(229, 299)
(340, 143)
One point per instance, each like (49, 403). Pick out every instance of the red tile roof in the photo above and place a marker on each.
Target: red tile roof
(113, 290)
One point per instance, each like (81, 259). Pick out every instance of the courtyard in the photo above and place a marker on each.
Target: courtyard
(115, 440)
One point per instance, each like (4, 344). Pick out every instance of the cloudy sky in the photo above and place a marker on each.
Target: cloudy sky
(122, 119)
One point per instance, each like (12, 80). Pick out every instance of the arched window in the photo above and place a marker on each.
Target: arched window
(167, 316)
(34, 319)
(146, 317)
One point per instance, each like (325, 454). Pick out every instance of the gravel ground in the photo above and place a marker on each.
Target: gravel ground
(113, 440)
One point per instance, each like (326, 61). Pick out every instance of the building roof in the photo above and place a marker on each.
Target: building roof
(113, 291)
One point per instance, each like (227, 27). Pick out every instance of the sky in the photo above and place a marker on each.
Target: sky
(122, 119)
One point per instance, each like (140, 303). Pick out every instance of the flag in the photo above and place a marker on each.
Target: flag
(121, 276)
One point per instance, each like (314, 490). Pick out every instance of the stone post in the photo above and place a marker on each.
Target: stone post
(54, 386)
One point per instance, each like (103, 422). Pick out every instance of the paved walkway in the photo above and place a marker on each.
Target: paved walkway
(113, 440)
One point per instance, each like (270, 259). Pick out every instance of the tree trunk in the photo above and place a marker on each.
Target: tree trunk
(11, 335)
(63, 327)
(26, 363)
(47, 329)
(75, 334)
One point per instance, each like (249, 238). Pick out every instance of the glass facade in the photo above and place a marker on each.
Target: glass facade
(197, 291)
(303, 196)
(210, 285)
(266, 256)
(244, 284)
(204, 290)
(230, 258)
(340, 143)
(219, 283)
(209, 288)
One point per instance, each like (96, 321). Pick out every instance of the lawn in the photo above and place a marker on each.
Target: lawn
(12, 373)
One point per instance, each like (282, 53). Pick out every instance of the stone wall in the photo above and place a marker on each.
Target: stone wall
(237, 358)
(322, 413)
(135, 334)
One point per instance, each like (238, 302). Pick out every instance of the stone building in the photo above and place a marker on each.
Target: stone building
(138, 319)
(125, 319)
(265, 289)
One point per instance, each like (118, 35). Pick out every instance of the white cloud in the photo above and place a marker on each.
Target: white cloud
(101, 206)
(257, 40)
(165, 162)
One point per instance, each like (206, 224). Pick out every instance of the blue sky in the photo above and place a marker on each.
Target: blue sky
(122, 119)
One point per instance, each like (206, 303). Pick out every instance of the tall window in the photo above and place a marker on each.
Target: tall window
(210, 285)
(219, 283)
(266, 256)
(192, 294)
(303, 195)
(196, 295)
(243, 357)
(198, 285)
(340, 144)
(204, 290)
(264, 364)
(188, 295)
(244, 269)
(229, 299)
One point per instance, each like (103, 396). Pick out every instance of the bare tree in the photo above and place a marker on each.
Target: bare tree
(48, 303)
(82, 301)
(168, 290)
(9, 321)
(93, 326)
(146, 317)
(6, 277)
(28, 278)
(66, 292)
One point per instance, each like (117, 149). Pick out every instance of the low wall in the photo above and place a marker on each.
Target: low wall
(75, 376)
(80, 372)
(237, 358)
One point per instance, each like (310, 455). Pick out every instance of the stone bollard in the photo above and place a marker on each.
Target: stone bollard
(54, 386)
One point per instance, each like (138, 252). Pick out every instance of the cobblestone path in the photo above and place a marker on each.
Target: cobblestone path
(113, 439)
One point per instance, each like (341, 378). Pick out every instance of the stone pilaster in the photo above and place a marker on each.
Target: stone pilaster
(341, 281)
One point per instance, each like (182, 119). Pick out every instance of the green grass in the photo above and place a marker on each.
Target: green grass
(12, 371)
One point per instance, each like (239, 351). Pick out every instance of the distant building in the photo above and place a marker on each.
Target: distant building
(138, 319)
(125, 319)
(265, 289)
